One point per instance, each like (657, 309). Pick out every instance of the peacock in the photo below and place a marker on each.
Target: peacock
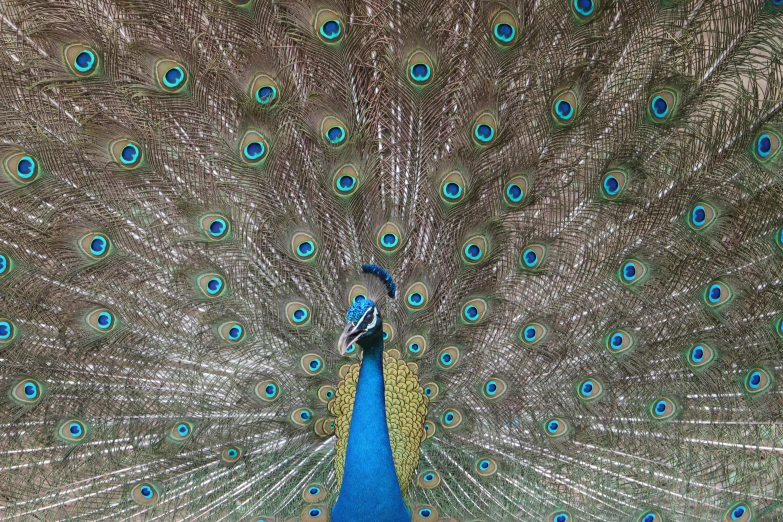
(391, 260)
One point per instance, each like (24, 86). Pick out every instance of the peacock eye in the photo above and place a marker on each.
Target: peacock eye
(701, 216)
(649, 516)
(329, 25)
(757, 381)
(484, 129)
(171, 75)
(254, 147)
(71, 430)
(717, 294)
(515, 191)
(6, 264)
(417, 296)
(619, 341)
(474, 250)
(211, 284)
(215, 226)
(101, 320)
(389, 238)
(663, 409)
(494, 388)
(661, 105)
(613, 184)
(126, 153)
(452, 188)
(27, 392)
(297, 313)
(533, 333)
(181, 431)
(95, 245)
(504, 28)
(555, 427)
(345, 181)
(312, 364)
(428, 479)
(532, 257)
(589, 389)
(81, 59)
(145, 494)
(267, 390)
(474, 311)
(231, 454)
(700, 355)
(304, 246)
(7, 331)
(232, 332)
(420, 68)
(559, 516)
(564, 108)
(451, 418)
(302, 416)
(264, 90)
(739, 512)
(632, 272)
(333, 131)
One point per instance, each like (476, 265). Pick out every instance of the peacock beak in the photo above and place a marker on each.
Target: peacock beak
(349, 336)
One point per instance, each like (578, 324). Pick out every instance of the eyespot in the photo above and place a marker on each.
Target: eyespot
(416, 345)
(126, 153)
(254, 148)
(217, 227)
(357, 293)
(324, 427)
(533, 333)
(312, 364)
(304, 246)
(766, 146)
(6, 265)
(302, 416)
(661, 105)
(757, 380)
(329, 26)
(700, 355)
(565, 106)
(779, 239)
(663, 408)
(532, 257)
(701, 216)
(450, 419)
(267, 390)
(27, 392)
(264, 90)
(95, 245)
(555, 428)
(650, 516)
(632, 272)
(448, 358)
(181, 432)
(494, 388)
(717, 294)
(584, 10)
(101, 320)
(314, 514)
(211, 284)
(333, 131)
(619, 341)
(474, 250)
(431, 390)
(486, 467)
(346, 180)
(429, 428)
(232, 332)
(474, 311)
(613, 184)
(72, 430)
(388, 332)
(422, 513)
(739, 512)
(172, 76)
(21, 167)
(420, 68)
(231, 454)
(589, 389)
(452, 188)
(417, 296)
(326, 393)
(485, 129)
(779, 328)
(428, 479)
(298, 314)
(389, 238)
(81, 59)
(775, 5)
(145, 494)
(504, 28)
(515, 191)
(560, 516)
(314, 493)
(7, 331)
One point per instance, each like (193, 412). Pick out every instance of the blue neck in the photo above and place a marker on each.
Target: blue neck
(370, 489)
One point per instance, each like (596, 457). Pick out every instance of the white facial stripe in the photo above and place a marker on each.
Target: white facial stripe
(371, 325)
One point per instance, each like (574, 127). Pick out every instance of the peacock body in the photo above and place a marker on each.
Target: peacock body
(568, 212)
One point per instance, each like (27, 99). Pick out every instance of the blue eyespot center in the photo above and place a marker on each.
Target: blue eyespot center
(315, 364)
(514, 193)
(75, 429)
(764, 146)
(346, 183)
(331, 29)
(471, 312)
(629, 271)
(304, 415)
(420, 72)
(335, 134)
(217, 227)
(699, 215)
(552, 426)
(484, 464)
(714, 293)
(385, 335)
(415, 298)
(84, 61)
(232, 453)
(5, 330)
(30, 390)
(183, 429)
(98, 246)
(649, 518)
(617, 339)
(254, 150)
(214, 285)
(235, 332)
(738, 512)
(174, 77)
(755, 379)
(660, 407)
(611, 185)
(563, 108)
(561, 518)
(266, 94)
(146, 491)
(484, 132)
(414, 347)
(446, 358)
(697, 354)
(305, 248)
(26, 167)
(129, 154)
(3, 263)
(425, 513)
(270, 390)
(530, 333)
(389, 240)
(530, 257)
(491, 388)
(504, 32)
(299, 315)
(587, 388)
(314, 491)
(473, 252)
(659, 107)
(452, 190)
(449, 418)
(104, 320)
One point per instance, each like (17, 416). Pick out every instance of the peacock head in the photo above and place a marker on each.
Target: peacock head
(365, 325)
